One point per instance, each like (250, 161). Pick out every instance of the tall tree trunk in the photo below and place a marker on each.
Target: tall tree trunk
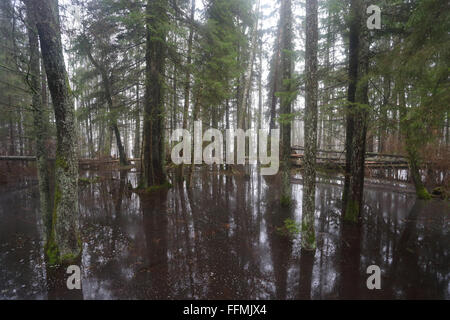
(285, 109)
(260, 90)
(187, 85)
(309, 163)
(40, 115)
(12, 140)
(101, 139)
(90, 134)
(260, 86)
(155, 56)
(356, 116)
(20, 130)
(383, 127)
(227, 127)
(64, 242)
(137, 132)
(195, 116)
(327, 83)
(275, 78)
(249, 74)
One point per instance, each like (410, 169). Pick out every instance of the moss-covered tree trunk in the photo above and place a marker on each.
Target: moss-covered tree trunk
(40, 122)
(287, 64)
(64, 242)
(414, 168)
(155, 57)
(309, 163)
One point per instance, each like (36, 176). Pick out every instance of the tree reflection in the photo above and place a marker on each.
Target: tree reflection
(156, 268)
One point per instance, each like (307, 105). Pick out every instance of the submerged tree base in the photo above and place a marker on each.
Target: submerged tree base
(351, 211)
(54, 258)
(423, 194)
(140, 189)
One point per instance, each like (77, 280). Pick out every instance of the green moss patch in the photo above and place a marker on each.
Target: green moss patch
(423, 194)
(351, 211)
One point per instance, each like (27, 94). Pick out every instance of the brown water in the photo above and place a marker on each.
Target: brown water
(221, 239)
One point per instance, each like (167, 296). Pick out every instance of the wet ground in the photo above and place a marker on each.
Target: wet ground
(225, 239)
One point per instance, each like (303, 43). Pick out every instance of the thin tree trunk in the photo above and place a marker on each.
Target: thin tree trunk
(249, 74)
(309, 163)
(137, 132)
(285, 110)
(20, 130)
(260, 87)
(90, 134)
(187, 85)
(195, 116)
(275, 81)
(40, 115)
(12, 140)
(260, 91)
(383, 131)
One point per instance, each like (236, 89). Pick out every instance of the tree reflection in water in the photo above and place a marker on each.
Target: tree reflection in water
(219, 240)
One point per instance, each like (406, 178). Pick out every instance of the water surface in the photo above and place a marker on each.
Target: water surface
(224, 239)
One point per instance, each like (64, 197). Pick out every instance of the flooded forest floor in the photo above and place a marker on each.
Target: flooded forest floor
(225, 237)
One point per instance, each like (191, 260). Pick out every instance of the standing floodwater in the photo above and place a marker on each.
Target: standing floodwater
(226, 237)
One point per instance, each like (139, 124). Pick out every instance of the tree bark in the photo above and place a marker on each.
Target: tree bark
(41, 118)
(155, 56)
(249, 74)
(309, 163)
(137, 132)
(195, 115)
(286, 103)
(64, 243)
(187, 85)
(90, 134)
(275, 77)
(356, 116)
